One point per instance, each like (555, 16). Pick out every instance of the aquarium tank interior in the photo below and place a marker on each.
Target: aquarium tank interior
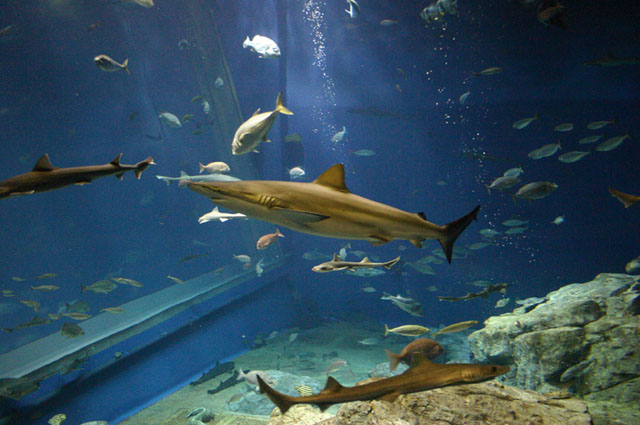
(319, 211)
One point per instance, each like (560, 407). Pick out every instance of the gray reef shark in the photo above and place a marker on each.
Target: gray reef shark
(337, 264)
(325, 207)
(422, 375)
(45, 176)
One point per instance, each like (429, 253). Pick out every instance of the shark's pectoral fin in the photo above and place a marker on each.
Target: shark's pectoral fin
(300, 217)
(82, 182)
(30, 192)
(120, 176)
(417, 242)
(265, 140)
(391, 397)
(324, 406)
(377, 240)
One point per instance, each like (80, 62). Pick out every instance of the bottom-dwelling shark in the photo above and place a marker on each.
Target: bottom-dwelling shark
(45, 176)
(422, 375)
(325, 207)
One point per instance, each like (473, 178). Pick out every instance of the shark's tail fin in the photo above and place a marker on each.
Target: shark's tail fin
(142, 165)
(392, 263)
(280, 106)
(393, 360)
(453, 230)
(283, 401)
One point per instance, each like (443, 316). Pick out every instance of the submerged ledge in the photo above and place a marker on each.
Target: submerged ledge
(22, 369)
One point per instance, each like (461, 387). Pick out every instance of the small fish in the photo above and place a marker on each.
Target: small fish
(502, 302)
(293, 138)
(515, 230)
(513, 172)
(93, 27)
(105, 63)
(456, 327)
(8, 293)
(489, 71)
(368, 289)
(388, 22)
(514, 222)
(36, 321)
(206, 107)
(535, 190)
(296, 172)
(266, 240)
(219, 82)
(187, 117)
(53, 316)
(35, 305)
(78, 307)
(558, 220)
(57, 419)
(45, 288)
(479, 245)
(339, 136)
(552, 13)
(612, 143)
(100, 287)
(77, 316)
(263, 46)
(572, 156)
(304, 390)
(71, 330)
(144, 3)
(170, 119)
(406, 330)
(192, 257)
(489, 233)
(215, 214)
(196, 99)
(237, 397)
(336, 366)
(590, 139)
(342, 254)
(545, 151)
(46, 276)
(566, 126)
(242, 258)
(364, 152)
(293, 337)
(407, 304)
(596, 125)
(463, 97)
(369, 341)
(259, 268)
(626, 199)
(125, 281)
(524, 122)
(215, 167)
(114, 310)
(176, 279)
(18, 279)
(501, 183)
(633, 266)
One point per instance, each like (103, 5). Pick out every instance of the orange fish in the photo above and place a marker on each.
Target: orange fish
(425, 346)
(268, 239)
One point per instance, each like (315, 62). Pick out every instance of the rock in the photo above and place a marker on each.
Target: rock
(382, 370)
(473, 404)
(299, 414)
(581, 338)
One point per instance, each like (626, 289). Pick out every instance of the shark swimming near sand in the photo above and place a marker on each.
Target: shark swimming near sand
(45, 176)
(422, 375)
(337, 264)
(325, 207)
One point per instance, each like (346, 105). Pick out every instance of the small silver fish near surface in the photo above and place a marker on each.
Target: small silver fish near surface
(524, 122)
(558, 220)
(572, 156)
(612, 143)
(596, 125)
(536, 190)
(107, 64)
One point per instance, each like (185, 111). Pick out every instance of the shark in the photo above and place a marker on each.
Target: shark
(421, 376)
(45, 176)
(326, 207)
(337, 264)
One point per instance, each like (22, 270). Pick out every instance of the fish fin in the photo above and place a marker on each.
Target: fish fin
(284, 402)
(378, 240)
(116, 161)
(386, 330)
(333, 177)
(278, 233)
(417, 242)
(256, 112)
(301, 217)
(422, 216)
(419, 360)
(201, 167)
(125, 65)
(335, 257)
(222, 219)
(323, 406)
(391, 357)
(390, 397)
(265, 140)
(280, 106)
(120, 176)
(143, 165)
(183, 174)
(392, 263)
(44, 164)
(453, 230)
(332, 386)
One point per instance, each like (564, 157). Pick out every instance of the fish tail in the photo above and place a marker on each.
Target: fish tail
(453, 230)
(488, 188)
(246, 42)
(278, 233)
(386, 330)
(392, 263)
(201, 167)
(283, 401)
(280, 106)
(142, 165)
(393, 360)
(125, 65)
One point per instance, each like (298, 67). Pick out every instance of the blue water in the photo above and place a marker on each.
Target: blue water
(54, 100)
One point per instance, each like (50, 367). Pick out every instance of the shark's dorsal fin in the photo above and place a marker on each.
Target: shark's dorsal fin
(336, 258)
(44, 164)
(256, 112)
(333, 178)
(332, 386)
(116, 161)
(183, 174)
(365, 260)
(422, 216)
